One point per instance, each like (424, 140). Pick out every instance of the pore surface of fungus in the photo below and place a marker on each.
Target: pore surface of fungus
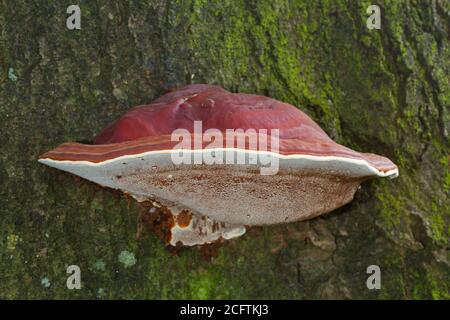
(222, 187)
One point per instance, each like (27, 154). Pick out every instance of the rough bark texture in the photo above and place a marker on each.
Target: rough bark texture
(383, 91)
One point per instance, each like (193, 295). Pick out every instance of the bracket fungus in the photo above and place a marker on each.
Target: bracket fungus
(219, 186)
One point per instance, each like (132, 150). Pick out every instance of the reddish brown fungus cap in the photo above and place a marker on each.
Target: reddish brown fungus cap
(149, 127)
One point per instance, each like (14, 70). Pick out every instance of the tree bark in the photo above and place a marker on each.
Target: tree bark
(383, 91)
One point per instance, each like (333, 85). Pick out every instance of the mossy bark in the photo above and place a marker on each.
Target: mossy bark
(383, 91)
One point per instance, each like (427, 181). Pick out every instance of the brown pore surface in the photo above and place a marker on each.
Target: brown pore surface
(243, 197)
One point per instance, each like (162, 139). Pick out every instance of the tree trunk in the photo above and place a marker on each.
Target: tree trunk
(383, 91)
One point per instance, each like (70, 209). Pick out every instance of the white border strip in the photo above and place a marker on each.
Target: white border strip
(392, 173)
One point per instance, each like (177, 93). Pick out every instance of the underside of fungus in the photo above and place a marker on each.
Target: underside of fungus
(205, 201)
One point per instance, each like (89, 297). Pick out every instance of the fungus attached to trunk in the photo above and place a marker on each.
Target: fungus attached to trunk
(214, 184)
